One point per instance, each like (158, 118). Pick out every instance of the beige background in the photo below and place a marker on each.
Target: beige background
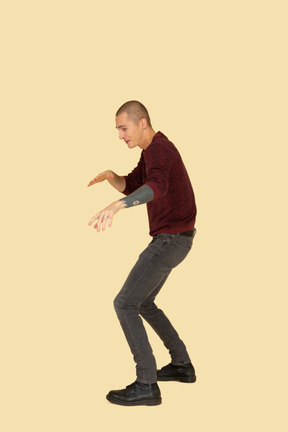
(213, 75)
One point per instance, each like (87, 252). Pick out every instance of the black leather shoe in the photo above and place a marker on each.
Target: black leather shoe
(136, 394)
(184, 373)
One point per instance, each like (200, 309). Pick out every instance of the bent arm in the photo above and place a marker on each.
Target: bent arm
(118, 182)
(142, 195)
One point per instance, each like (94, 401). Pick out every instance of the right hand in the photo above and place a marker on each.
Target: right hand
(101, 177)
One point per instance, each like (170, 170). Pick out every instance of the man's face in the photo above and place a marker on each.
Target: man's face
(129, 131)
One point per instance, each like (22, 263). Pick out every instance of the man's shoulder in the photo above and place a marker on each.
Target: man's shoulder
(161, 138)
(161, 142)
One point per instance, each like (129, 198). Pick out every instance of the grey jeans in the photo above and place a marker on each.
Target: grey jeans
(136, 300)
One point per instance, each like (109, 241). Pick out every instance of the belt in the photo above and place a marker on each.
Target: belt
(188, 233)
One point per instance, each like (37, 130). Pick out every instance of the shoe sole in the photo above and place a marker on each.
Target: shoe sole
(188, 379)
(148, 402)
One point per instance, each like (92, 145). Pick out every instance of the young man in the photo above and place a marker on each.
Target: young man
(160, 180)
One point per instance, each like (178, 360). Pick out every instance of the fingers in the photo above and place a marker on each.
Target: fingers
(102, 221)
(103, 217)
(101, 177)
(110, 220)
(95, 180)
(94, 218)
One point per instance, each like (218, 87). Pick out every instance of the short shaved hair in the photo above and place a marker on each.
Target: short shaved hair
(135, 111)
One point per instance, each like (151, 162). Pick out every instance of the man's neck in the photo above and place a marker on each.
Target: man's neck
(148, 139)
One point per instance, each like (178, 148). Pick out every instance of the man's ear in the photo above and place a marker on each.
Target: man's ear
(143, 123)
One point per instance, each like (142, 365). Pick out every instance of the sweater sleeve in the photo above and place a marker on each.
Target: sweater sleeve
(158, 160)
(134, 179)
(142, 195)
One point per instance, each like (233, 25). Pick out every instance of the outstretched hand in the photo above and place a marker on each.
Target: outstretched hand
(106, 215)
(101, 177)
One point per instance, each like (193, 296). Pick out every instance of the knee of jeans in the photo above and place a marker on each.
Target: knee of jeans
(121, 303)
(117, 303)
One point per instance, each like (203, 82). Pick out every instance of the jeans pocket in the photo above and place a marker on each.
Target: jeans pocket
(178, 250)
(153, 249)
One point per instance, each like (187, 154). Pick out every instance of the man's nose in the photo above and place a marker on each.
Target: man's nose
(121, 134)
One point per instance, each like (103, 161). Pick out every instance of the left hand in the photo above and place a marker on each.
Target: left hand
(106, 215)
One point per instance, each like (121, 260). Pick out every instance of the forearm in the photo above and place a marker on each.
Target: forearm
(141, 196)
(118, 182)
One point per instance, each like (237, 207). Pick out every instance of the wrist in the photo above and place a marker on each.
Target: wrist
(119, 204)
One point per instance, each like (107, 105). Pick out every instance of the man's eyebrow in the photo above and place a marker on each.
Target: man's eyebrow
(121, 126)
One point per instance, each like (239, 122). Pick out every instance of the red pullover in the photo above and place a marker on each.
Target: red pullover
(173, 207)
